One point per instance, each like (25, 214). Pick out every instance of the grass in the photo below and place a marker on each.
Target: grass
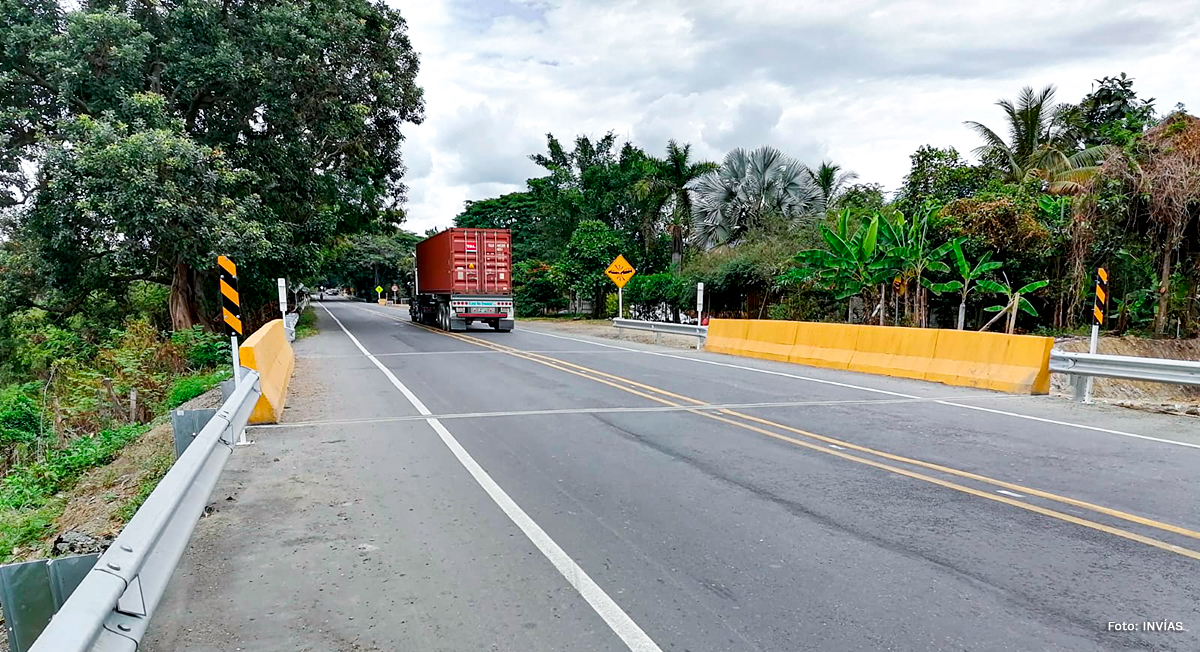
(189, 387)
(306, 326)
(154, 468)
(32, 485)
(32, 495)
(20, 527)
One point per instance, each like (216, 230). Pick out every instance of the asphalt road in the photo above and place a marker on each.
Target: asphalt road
(538, 491)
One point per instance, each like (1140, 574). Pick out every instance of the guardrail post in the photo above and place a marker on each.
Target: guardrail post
(1080, 386)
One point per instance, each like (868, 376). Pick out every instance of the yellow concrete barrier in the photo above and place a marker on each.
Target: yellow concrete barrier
(268, 352)
(770, 339)
(1019, 364)
(893, 351)
(727, 335)
(824, 345)
(1008, 363)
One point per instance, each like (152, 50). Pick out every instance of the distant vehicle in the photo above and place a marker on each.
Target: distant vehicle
(464, 276)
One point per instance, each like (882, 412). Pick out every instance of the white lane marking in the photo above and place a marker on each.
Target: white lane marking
(472, 351)
(1009, 493)
(953, 403)
(711, 407)
(835, 446)
(621, 624)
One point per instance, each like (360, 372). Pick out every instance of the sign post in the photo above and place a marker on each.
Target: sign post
(379, 293)
(699, 312)
(1099, 312)
(283, 298)
(231, 311)
(620, 271)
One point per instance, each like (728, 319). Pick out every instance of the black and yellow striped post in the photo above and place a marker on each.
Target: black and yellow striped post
(1100, 307)
(231, 311)
(1099, 314)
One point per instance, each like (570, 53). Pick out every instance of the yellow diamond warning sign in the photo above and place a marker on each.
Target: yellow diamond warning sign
(620, 271)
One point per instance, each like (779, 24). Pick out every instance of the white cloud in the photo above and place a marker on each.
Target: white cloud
(861, 82)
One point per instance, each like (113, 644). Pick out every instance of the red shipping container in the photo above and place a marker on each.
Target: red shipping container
(465, 261)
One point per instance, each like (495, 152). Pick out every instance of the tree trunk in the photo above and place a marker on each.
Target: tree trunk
(1164, 299)
(882, 304)
(184, 303)
(962, 314)
(1012, 313)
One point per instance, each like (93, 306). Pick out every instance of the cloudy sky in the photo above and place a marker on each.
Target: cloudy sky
(862, 83)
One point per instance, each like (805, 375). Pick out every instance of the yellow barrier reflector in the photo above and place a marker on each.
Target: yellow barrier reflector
(268, 352)
(726, 335)
(770, 339)
(894, 351)
(824, 345)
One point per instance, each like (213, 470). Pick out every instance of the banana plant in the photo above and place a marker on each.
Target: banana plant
(1016, 302)
(910, 246)
(853, 264)
(969, 274)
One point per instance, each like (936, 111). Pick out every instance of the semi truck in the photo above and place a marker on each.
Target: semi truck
(464, 276)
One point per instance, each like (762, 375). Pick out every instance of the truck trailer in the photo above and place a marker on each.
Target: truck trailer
(464, 276)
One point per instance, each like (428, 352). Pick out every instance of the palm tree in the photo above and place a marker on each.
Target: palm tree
(666, 187)
(749, 188)
(1038, 146)
(830, 178)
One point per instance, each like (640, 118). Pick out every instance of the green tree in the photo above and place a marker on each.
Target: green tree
(750, 190)
(1112, 114)
(536, 288)
(516, 211)
(593, 246)
(970, 276)
(862, 197)
(666, 187)
(1038, 146)
(832, 180)
(138, 201)
(364, 261)
(937, 177)
(595, 181)
(309, 98)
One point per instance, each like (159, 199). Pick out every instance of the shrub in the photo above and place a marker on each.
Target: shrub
(31, 485)
(20, 418)
(189, 387)
(201, 349)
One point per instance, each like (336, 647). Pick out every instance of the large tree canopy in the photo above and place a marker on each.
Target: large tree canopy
(302, 101)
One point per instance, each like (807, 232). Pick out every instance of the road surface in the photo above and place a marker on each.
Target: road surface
(538, 491)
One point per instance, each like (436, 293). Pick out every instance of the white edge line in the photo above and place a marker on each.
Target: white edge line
(822, 381)
(621, 624)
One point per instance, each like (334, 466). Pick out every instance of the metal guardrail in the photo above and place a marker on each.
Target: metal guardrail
(111, 608)
(692, 330)
(1156, 370)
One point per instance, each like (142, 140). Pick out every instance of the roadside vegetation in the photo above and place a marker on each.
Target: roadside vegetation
(1007, 241)
(130, 158)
